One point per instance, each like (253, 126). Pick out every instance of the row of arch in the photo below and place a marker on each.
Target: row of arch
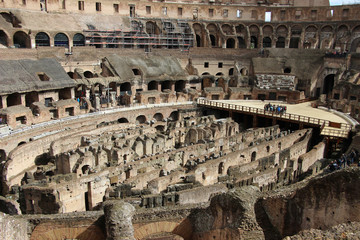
(253, 35)
(22, 40)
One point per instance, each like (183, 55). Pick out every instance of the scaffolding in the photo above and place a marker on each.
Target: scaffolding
(176, 35)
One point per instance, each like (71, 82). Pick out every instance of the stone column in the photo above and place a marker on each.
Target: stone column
(118, 216)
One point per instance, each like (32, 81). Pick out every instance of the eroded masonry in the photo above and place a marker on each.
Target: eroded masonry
(169, 120)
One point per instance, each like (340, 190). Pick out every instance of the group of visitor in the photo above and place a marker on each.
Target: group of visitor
(344, 161)
(278, 109)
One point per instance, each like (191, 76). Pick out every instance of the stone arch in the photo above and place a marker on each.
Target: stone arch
(267, 30)
(355, 45)
(4, 39)
(254, 33)
(78, 40)
(152, 28)
(230, 43)
(199, 34)
(356, 29)
(311, 28)
(227, 29)
(191, 136)
(231, 71)
(183, 229)
(244, 71)
(219, 74)
(266, 42)
(153, 85)
(61, 40)
(123, 120)
(13, 99)
(327, 29)
(42, 39)
(174, 116)
(158, 117)
(296, 30)
(88, 74)
(282, 31)
(221, 168)
(253, 156)
(140, 119)
(21, 40)
(213, 34)
(205, 74)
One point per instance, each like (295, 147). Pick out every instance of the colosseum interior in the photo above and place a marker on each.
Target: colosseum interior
(177, 119)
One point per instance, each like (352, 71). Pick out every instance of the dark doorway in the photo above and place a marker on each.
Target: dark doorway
(213, 40)
(266, 42)
(328, 84)
(242, 43)
(280, 43)
(294, 42)
(253, 42)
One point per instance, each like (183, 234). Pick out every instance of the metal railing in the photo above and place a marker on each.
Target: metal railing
(326, 124)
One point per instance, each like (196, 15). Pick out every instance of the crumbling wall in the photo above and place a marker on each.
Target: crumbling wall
(319, 203)
(13, 228)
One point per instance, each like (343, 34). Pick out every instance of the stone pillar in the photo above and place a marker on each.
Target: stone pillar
(118, 216)
(3, 101)
(113, 98)
(97, 101)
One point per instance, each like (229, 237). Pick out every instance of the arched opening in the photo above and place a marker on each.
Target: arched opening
(79, 40)
(140, 119)
(13, 99)
(125, 87)
(198, 40)
(88, 74)
(355, 45)
(230, 43)
(328, 84)
(71, 75)
(166, 85)
(21, 143)
(31, 98)
(267, 148)
(266, 42)
(213, 40)
(85, 169)
(279, 145)
(231, 71)
(179, 86)
(174, 116)
(221, 168)
(219, 74)
(253, 42)
(153, 85)
(123, 120)
(241, 42)
(244, 72)
(21, 40)
(42, 39)
(4, 39)
(65, 93)
(158, 117)
(152, 28)
(280, 43)
(61, 40)
(80, 91)
(2, 155)
(253, 156)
